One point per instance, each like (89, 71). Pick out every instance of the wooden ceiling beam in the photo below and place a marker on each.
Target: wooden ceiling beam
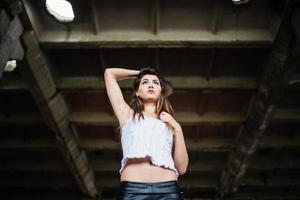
(36, 179)
(93, 7)
(260, 114)
(31, 17)
(96, 83)
(55, 112)
(176, 39)
(286, 115)
(22, 143)
(215, 18)
(179, 82)
(268, 180)
(109, 180)
(10, 44)
(21, 119)
(284, 166)
(263, 168)
(160, 24)
(205, 144)
(93, 144)
(205, 180)
(27, 166)
(193, 119)
(39, 183)
(45, 196)
(13, 83)
(185, 118)
(155, 16)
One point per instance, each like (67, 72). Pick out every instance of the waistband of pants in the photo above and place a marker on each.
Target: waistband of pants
(145, 187)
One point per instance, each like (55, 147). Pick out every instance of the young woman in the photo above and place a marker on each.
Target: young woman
(154, 151)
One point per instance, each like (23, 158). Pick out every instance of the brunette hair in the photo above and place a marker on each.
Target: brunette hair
(163, 103)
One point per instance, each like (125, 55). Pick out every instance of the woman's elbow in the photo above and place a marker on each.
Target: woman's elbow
(107, 71)
(183, 170)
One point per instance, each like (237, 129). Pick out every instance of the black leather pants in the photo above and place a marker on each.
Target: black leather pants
(168, 190)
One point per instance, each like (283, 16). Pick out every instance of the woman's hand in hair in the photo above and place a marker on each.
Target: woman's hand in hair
(166, 117)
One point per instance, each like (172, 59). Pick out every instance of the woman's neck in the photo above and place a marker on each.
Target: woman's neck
(152, 115)
(149, 108)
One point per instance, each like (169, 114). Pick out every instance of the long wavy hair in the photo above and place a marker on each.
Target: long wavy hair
(163, 103)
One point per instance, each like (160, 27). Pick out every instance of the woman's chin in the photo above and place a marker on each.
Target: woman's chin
(150, 100)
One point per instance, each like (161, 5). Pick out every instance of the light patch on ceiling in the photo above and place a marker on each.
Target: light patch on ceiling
(62, 10)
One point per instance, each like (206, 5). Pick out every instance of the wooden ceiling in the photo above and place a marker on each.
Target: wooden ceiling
(235, 70)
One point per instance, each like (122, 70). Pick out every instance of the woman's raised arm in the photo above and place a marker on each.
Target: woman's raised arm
(111, 76)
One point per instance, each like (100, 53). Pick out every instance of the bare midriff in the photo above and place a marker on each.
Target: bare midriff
(141, 170)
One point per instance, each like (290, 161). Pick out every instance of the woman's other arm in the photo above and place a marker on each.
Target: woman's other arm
(180, 154)
(111, 76)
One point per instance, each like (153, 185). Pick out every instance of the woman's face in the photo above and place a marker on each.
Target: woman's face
(149, 88)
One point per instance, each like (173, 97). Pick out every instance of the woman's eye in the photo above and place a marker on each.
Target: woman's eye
(156, 83)
(144, 82)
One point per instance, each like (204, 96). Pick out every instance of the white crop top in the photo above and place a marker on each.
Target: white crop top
(147, 137)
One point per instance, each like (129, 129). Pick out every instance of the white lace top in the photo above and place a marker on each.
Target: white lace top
(147, 137)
